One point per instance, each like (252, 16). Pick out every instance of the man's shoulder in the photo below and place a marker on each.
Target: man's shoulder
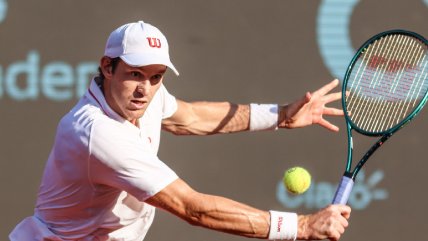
(82, 116)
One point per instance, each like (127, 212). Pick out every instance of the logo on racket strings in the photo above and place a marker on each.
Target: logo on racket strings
(394, 65)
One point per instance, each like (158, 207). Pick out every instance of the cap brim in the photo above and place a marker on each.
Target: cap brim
(138, 60)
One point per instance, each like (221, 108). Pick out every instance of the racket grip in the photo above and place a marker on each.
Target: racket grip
(343, 191)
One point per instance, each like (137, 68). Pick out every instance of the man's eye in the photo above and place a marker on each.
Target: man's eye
(135, 74)
(158, 76)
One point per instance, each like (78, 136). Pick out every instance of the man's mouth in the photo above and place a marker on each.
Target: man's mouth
(138, 104)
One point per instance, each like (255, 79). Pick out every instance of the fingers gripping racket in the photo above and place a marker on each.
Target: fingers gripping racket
(384, 88)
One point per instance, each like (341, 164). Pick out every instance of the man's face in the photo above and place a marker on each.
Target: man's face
(129, 90)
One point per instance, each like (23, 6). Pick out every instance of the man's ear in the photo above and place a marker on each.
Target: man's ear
(106, 67)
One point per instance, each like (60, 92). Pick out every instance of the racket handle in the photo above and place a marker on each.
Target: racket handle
(343, 191)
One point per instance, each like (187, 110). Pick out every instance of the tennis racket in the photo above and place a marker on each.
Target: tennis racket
(384, 88)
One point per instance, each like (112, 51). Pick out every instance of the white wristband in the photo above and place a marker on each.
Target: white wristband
(263, 117)
(283, 226)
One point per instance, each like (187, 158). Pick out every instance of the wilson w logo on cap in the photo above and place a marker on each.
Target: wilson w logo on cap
(154, 42)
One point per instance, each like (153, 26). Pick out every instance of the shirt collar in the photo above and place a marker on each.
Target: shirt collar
(95, 94)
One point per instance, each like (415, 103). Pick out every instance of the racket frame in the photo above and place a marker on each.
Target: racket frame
(346, 184)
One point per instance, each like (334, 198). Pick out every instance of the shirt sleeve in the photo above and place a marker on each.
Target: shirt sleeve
(122, 159)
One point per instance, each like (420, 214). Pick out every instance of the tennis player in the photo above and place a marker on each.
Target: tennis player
(103, 179)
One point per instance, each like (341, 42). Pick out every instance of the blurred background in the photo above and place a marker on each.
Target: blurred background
(269, 51)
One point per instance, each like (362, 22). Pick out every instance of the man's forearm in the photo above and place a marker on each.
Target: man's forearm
(213, 212)
(207, 118)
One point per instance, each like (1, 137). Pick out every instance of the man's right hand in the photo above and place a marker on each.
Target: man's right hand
(327, 223)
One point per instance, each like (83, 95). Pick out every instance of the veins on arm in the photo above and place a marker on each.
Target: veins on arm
(213, 212)
(207, 118)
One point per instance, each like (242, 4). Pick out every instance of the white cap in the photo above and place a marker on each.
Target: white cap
(139, 44)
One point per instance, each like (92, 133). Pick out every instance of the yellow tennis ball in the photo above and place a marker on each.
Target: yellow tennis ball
(297, 180)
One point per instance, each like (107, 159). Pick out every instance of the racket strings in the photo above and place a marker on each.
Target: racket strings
(356, 84)
(386, 82)
(415, 91)
(371, 107)
(388, 106)
(402, 108)
(392, 108)
(363, 102)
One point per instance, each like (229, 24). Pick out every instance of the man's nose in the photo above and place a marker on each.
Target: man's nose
(144, 87)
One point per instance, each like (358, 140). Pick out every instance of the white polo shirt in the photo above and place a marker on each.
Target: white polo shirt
(99, 172)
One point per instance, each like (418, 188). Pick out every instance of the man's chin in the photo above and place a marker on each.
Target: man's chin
(135, 114)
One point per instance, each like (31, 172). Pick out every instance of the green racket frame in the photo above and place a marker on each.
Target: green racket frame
(345, 187)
